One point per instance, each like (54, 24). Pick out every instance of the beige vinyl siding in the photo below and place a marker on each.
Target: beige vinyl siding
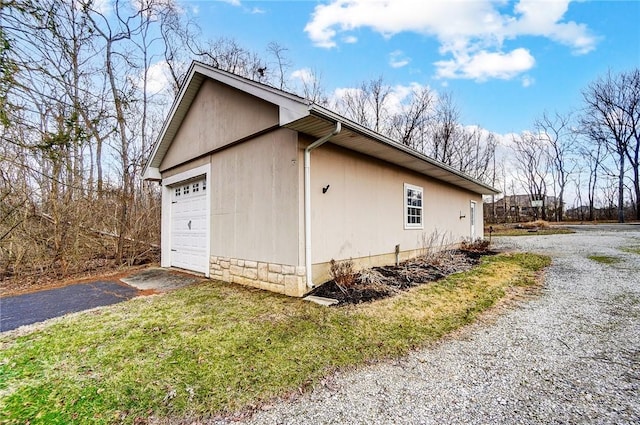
(186, 166)
(362, 213)
(254, 196)
(218, 116)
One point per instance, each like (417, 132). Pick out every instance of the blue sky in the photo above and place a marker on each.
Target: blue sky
(505, 62)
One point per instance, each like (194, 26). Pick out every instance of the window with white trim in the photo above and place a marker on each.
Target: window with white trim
(413, 196)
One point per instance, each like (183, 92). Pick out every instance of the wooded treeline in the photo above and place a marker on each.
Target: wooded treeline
(86, 84)
(591, 152)
(78, 120)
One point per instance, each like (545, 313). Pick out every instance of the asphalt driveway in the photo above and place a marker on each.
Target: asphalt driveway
(26, 309)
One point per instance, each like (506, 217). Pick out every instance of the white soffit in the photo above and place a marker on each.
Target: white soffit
(359, 139)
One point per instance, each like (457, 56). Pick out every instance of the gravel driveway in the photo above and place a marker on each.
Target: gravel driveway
(569, 356)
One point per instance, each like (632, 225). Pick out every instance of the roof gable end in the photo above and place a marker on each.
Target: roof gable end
(291, 107)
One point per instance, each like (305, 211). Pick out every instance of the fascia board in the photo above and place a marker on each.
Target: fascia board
(154, 161)
(353, 126)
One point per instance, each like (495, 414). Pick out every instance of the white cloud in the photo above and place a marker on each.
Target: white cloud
(527, 81)
(257, 11)
(397, 59)
(483, 65)
(103, 7)
(303, 74)
(544, 19)
(233, 2)
(471, 33)
(399, 95)
(158, 78)
(350, 39)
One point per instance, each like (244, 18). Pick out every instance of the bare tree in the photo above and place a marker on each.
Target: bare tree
(469, 149)
(312, 88)
(282, 63)
(178, 33)
(445, 128)
(532, 167)
(612, 110)
(632, 110)
(378, 95)
(367, 104)
(354, 104)
(77, 87)
(594, 156)
(227, 54)
(409, 126)
(560, 139)
(426, 123)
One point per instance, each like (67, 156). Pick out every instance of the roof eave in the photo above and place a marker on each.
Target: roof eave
(151, 174)
(480, 187)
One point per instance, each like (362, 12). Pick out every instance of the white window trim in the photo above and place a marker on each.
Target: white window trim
(407, 225)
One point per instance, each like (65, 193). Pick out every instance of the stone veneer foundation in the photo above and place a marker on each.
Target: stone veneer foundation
(280, 278)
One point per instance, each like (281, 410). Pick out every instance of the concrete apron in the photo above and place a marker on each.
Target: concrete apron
(161, 280)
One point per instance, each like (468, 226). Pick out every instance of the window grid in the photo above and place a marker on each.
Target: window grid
(413, 206)
(193, 188)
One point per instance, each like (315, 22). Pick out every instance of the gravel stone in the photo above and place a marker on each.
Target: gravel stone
(568, 356)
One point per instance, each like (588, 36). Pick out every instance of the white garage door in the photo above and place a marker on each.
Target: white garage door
(189, 226)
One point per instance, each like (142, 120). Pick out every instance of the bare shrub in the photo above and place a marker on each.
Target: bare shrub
(342, 273)
(541, 224)
(379, 282)
(371, 277)
(538, 224)
(64, 237)
(434, 245)
(373, 280)
(478, 245)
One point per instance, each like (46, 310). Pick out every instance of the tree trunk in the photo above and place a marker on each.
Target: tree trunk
(621, 191)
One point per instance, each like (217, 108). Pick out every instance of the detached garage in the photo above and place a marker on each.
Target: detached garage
(263, 188)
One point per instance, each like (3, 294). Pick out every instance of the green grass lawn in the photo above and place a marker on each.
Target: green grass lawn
(216, 348)
(631, 249)
(526, 232)
(604, 259)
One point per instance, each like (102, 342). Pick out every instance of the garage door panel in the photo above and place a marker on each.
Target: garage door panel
(189, 226)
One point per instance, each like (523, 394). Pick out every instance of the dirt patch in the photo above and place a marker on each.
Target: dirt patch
(380, 282)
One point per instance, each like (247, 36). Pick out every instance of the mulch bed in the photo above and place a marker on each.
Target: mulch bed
(380, 282)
